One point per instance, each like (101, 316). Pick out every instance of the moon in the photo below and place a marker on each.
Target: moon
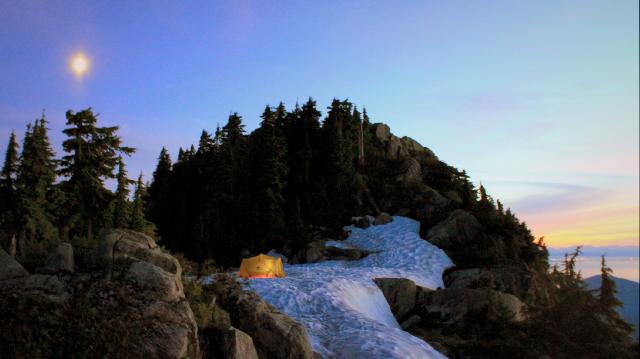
(79, 64)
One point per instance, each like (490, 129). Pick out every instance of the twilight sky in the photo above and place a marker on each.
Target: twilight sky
(537, 100)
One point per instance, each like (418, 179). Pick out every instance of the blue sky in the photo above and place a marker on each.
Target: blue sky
(538, 100)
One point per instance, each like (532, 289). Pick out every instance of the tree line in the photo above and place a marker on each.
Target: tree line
(44, 199)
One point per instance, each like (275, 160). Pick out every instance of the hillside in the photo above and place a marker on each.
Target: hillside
(305, 188)
(628, 293)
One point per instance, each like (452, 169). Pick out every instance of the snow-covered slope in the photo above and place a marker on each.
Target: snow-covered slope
(343, 310)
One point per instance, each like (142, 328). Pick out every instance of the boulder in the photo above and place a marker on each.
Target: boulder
(171, 331)
(400, 293)
(132, 238)
(412, 145)
(458, 228)
(314, 252)
(275, 335)
(430, 196)
(345, 253)
(10, 268)
(237, 344)
(161, 284)
(382, 131)
(509, 279)
(394, 148)
(60, 260)
(412, 172)
(143, 299)
(454, 304)
(383, 218)
(361, 222)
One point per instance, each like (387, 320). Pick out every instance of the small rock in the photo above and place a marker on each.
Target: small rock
(313, 252)
(412, 320)
(383, 218)
(362, 222)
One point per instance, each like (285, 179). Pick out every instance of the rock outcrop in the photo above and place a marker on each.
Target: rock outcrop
(397, 147)
(509, 279)
(127, 278)
(275, 335)
(458, 229)
(454, 304)
(400, 293)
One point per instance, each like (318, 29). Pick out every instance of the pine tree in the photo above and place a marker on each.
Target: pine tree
(8, 188)
(138, 222)
(468, 192)
(121, 205)
(607, 293)
(10, 167)
(158, 209)
(34, 182)
(270, 169)
(340, 133)
(302, 143)
(92, 156)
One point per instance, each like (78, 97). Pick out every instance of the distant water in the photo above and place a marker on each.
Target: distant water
(623, 267)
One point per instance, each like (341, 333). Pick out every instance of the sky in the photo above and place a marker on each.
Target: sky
(537, 100)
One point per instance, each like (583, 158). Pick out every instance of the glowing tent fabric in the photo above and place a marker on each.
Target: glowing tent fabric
(261, 266)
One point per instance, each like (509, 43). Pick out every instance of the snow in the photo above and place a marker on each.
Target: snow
(344, 312)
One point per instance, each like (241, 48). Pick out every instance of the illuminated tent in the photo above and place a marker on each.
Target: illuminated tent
(261, 266)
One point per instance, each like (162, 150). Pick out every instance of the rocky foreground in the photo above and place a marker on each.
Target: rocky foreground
(125, 298)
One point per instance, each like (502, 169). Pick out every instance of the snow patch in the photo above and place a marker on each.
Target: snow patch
(341, 307)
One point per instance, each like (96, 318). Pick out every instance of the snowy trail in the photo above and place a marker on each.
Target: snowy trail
(343, 310)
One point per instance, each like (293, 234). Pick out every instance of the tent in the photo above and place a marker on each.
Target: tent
(261, 266)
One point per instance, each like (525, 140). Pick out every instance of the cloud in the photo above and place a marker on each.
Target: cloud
(558, 197)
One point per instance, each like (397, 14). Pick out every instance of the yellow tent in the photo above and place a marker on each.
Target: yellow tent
(261, 266)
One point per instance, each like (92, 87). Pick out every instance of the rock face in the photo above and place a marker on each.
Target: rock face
(127, 276)
(412, 171)
(508, 279)
(274, 334)
(400, 293)
(397, 147)
(454, 304)
(459, 228)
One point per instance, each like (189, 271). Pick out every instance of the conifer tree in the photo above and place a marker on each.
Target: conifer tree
(138, 222)
(10, 166)
(35, 179)
(159, 189)
(270, 169)
(607, 293)
(8, 187)
(121, 205)
(339, 152)
(303, 165)
(92, 155)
